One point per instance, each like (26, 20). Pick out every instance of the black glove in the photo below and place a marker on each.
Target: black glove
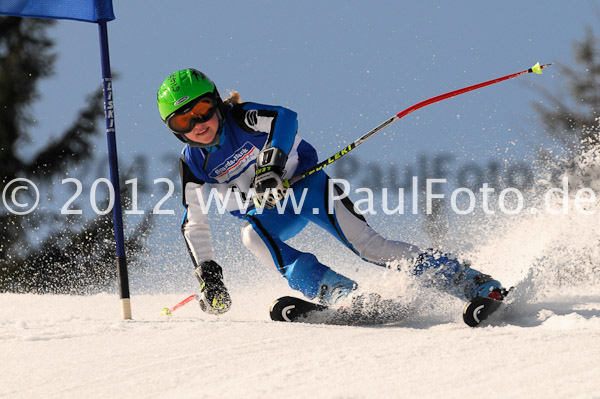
(269, 186)
(214, 298)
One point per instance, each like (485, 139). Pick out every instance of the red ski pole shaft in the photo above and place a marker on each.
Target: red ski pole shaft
(537, 68)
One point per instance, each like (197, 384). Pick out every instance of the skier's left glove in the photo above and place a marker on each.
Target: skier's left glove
(268, 183)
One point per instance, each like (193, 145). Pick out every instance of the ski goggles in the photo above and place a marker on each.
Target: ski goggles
(198, 111)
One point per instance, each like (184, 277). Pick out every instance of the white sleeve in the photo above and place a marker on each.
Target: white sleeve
(195, 226)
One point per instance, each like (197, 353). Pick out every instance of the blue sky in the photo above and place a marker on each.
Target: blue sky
(345, 66)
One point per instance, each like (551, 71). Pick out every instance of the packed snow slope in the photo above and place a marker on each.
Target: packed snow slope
(75, 347)
(545, 344)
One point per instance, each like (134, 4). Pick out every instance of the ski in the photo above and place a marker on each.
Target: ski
(479, 309)
(362, 312)
(291, 309)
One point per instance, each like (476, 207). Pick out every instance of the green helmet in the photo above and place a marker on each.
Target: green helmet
(183, 87)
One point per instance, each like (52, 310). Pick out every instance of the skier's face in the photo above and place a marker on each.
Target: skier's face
(204, 133)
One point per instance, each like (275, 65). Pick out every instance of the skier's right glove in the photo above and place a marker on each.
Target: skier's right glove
(214, 298)
(269, 186)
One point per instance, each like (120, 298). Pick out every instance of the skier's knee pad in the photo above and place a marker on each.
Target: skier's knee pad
(250, 238)
(255, 243)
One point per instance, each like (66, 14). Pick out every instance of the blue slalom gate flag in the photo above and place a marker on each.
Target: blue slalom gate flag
(79, 10)
(100, 12)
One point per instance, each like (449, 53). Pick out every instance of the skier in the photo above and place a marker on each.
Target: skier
(245, 147)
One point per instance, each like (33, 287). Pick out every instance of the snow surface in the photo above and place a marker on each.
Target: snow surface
(75, 347)
(546, 344)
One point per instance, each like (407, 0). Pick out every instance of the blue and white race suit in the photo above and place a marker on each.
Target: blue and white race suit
(249, 128)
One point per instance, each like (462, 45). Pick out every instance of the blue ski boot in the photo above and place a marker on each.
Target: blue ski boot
(457, 278)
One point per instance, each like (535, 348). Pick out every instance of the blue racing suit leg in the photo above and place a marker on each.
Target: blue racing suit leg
(267, 231)
(265, 234)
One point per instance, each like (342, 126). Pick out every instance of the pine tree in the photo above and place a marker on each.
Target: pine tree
(72, 255)
(571, 117)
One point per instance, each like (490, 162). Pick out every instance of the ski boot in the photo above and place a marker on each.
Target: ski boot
(453, 276)
(477, 284)
(334, 288)
(213, 298)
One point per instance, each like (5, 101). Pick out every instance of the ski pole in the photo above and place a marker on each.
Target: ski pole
(537, 68)
(169, 312)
